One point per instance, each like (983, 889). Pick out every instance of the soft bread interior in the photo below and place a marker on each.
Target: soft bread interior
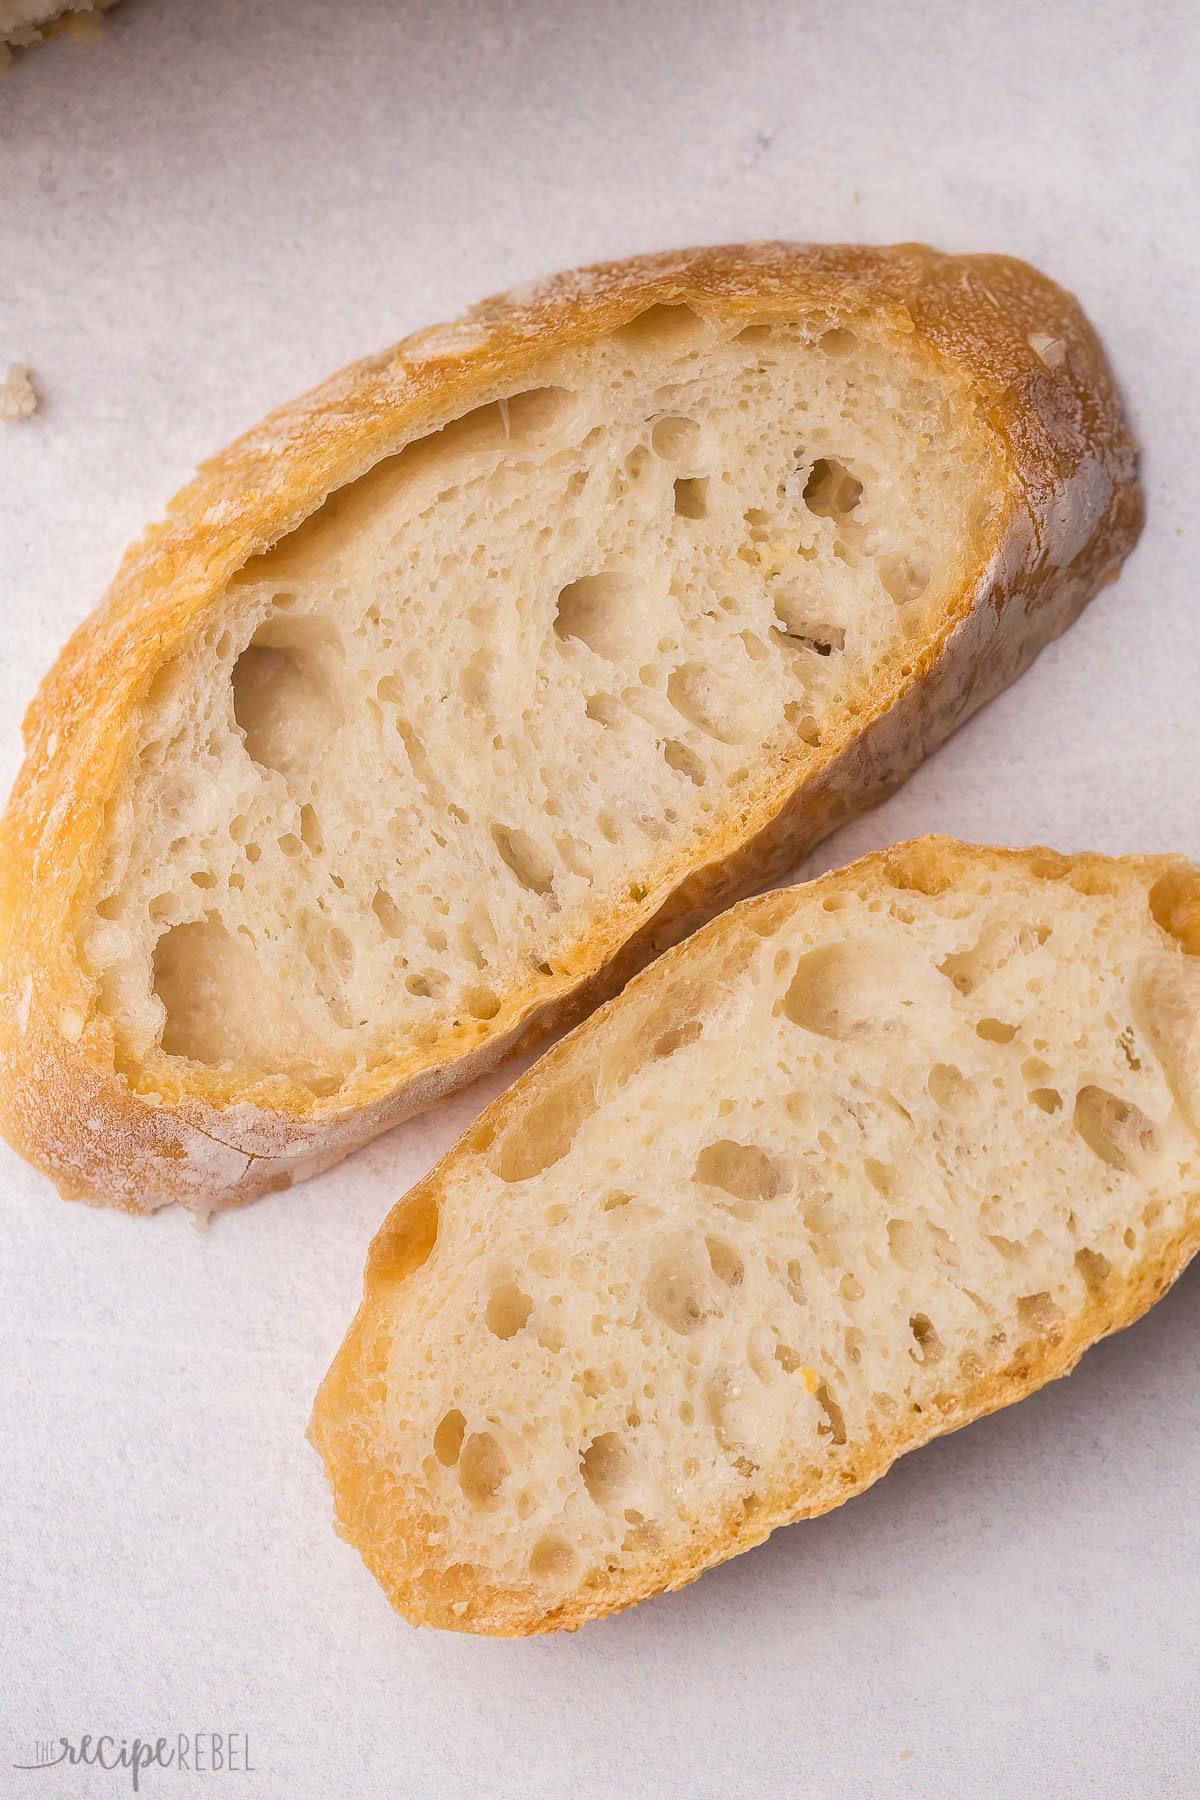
(858, 1162)
(522, 674)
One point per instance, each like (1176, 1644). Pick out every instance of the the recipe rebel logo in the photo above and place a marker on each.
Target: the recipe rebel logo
(197, 1752)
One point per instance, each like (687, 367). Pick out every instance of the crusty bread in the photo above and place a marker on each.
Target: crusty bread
(861, 1161)
(449, 695)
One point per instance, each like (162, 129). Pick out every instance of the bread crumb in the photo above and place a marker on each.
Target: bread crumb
(27, 22)
(18, 399)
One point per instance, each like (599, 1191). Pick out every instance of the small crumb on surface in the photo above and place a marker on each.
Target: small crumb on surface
(24, 23)
(17, 397)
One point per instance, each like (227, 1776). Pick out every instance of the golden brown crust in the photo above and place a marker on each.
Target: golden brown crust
(371, 1508)
(1070, 512)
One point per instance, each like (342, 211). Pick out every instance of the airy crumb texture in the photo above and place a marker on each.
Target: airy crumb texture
(451, 694)
(18, 400)
(862, 1160)
(511, 674)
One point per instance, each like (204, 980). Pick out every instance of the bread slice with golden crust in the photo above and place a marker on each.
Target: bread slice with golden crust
(447, 696)
(859, 1162)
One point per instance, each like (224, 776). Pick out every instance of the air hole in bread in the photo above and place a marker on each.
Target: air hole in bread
(218, 1006)
(552, 1560)
(903, 578)
(390, 917)
(729, 1415)
(794, 1282)
(426, 984)
(834, 1423)
(831, 491)
(607, 1469)
(995, 1031)
(542, 1135)
(483, 1468)
(533, 413)
(1117, 1131)
(742, 1170)
(1047, 1098)
(929, 1346)
(482, 1002)
(1040, 1313)
(681, 1289)
(709, 699)
(532, 868)
(1174, 902)
(998, 945)
(952, 1092)
(310, 830)
(854, 991)
(675, 438)
(287, 693)
(727, 1265)
(684, 761)
(882, 1176)
(691, 497)
(662, 328)
(838, 341)
(596, 611)
(604, 709)
(576, 857)
(796, 627)
(448, 1438)
(517, 422)
(508, 1310)
(803, 722)
(1095, 1271)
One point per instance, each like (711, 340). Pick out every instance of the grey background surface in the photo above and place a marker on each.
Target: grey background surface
(204, 213)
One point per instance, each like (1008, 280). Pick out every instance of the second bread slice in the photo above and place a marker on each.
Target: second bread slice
(447, 696)
(859, 1162)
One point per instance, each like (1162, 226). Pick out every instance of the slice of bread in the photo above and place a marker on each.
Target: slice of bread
(861, 1161)
(449, 695)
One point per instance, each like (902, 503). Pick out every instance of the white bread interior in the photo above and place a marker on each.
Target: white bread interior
(515, 671)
